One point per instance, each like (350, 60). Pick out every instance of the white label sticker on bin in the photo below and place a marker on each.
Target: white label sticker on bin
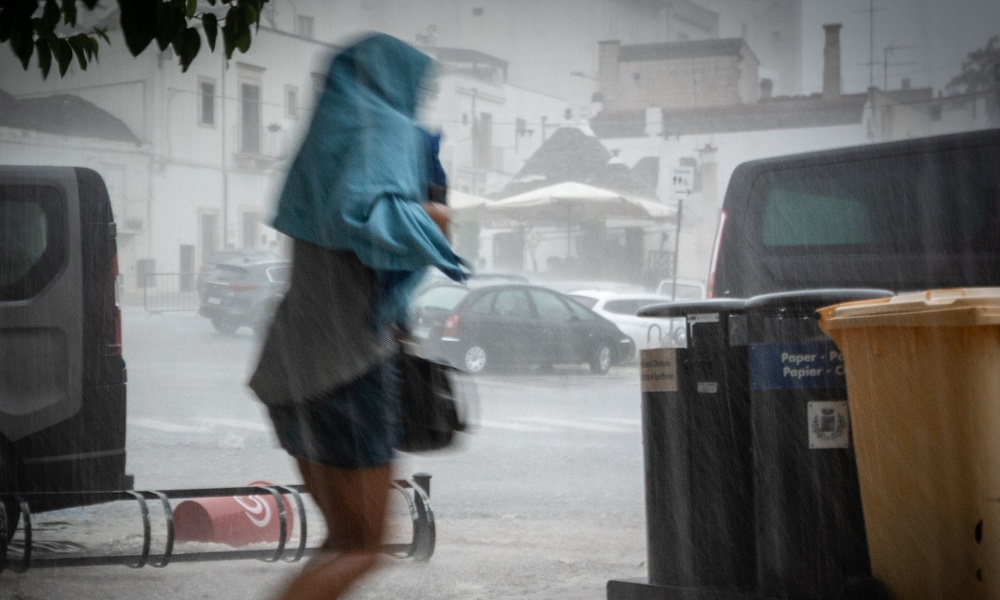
(659, 370)
(829, 425)
(704, 318)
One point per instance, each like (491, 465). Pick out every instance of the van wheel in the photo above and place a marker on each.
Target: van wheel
(9, 509)
(224, 325)
(600, 362)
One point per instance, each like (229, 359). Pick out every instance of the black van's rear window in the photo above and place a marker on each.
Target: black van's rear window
(915, 203)
(32, 239)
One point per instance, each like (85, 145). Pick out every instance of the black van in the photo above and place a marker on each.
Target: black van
(62, 375)
(908, 215)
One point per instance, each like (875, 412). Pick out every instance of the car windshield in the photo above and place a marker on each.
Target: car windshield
(444, 297)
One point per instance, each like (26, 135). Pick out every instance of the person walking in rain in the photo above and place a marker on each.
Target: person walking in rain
(355, 203)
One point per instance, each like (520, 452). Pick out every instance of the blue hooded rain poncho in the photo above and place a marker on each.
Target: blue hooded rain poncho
(361, 174)
(352, 201)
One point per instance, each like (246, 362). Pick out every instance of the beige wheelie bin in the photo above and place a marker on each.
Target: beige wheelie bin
(923, 381)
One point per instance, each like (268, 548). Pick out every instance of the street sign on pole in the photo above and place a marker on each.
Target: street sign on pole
(682, 181)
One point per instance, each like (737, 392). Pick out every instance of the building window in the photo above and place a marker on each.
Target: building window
(318, 83)
(251, 228)
(206, 102)
(482, 142)
(291, 102)
(477, 12)
(249, 118)
(304, 26)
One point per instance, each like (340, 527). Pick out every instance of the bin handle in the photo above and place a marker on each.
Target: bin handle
(649, 333)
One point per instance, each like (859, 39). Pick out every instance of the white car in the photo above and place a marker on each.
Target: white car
(686, 289)
(621, 309)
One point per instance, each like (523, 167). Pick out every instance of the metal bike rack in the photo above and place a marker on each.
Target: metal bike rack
(416, 492)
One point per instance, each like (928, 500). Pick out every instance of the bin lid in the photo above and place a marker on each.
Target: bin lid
(694, 307)
(805, 302)
(959, 307)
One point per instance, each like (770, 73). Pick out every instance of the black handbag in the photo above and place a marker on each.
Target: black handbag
(434, 405)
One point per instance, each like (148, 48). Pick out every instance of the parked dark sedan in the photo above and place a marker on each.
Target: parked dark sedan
(478, 327)
(240, 293)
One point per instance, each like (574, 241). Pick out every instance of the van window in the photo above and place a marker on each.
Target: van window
(32, 240)
(940, 202)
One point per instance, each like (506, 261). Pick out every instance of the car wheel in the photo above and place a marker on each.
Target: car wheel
(600, 362)
(225, 325)
(474, 360)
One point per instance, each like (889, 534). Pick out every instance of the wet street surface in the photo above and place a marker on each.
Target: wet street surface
(543, 500)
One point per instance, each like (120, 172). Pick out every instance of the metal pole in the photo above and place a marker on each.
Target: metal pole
(871, 43)
(225, 175)
(677, 246)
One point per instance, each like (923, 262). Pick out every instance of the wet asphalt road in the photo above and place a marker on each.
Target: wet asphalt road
(544, 500)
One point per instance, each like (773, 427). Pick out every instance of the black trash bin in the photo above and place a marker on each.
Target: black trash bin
(751, 485)
(696, 439)
(809, 528)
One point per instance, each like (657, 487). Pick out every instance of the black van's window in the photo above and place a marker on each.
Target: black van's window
(798, 218)
(938, 202)
(32, 239)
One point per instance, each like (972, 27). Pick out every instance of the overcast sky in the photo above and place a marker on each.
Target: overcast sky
(943, 31)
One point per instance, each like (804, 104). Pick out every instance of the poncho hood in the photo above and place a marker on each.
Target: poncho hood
(361, 173)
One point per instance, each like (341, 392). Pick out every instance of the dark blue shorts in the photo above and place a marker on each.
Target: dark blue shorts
(353, 427)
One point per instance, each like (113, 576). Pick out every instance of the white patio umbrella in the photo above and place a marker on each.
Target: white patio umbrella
(462, 201)
(581, 201)
(572, 201)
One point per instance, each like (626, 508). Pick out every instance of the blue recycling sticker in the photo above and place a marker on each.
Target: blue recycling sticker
(796, 365)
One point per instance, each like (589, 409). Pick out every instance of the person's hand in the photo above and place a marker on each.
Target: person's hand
(441, 215)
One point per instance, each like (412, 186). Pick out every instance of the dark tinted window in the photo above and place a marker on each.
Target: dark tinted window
(32, 239)
(550, 307)
(916, 203)
(512, 304)
(482, 306)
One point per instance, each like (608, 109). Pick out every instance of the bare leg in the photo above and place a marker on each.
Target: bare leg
(354, 503)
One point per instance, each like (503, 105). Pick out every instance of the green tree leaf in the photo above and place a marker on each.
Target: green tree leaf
(192, 8)
(44, 57)
(102, 32)
(51, 15)
(64, 55)
(192, 44)
(69, 12)
(211, 25)
(79, 46)
(138, 21)
(169, 23)
(22, 45)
